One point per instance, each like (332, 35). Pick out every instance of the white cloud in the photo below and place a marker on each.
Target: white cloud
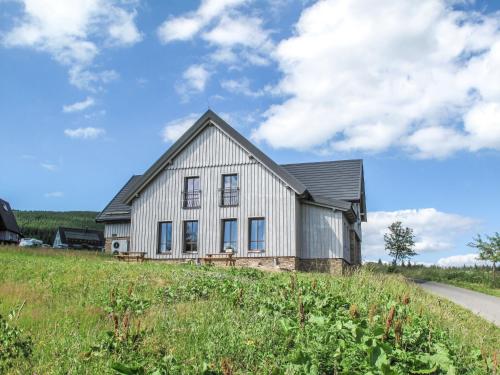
(54, 194)
(434, 230)
(195, 78)
(406, 74)
(49, 166)
(73, 32)
(90, 80)
(187, 26)
(241, 86)
(460, 261)
(79, 106)
(174, 129)
(85, 133)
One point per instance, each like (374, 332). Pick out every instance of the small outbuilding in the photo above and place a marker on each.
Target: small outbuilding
(9, 230)
(77, 238)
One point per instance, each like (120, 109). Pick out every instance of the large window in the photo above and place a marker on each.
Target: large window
(190, 236)
(229, 234)
(229, 191)
(191, 194)
(257, 228)
(164, 237)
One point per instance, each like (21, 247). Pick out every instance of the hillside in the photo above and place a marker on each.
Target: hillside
(76, 313)
(43, 224)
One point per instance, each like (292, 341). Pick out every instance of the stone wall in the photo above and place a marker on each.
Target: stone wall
(336, 266)
(332, 266)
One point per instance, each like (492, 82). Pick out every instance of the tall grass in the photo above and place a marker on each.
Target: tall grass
(88, 314)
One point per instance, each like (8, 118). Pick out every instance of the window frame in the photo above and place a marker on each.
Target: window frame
(184, 243)
(234, 191)
(223, 228)
(158, 248)
(263, 241)
(196, 199)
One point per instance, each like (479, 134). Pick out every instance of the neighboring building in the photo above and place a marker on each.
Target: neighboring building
(76, 238)
(213, 191)
(9, 230)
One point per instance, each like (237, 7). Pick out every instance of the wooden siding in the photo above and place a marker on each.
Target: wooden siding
(321, 232)
(116, 230)
(209, 156)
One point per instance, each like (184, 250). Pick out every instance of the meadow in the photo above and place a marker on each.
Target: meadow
(477, 278)
(69, 312)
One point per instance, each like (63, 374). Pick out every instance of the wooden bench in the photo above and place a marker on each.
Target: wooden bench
(133, 255)
(227, 257)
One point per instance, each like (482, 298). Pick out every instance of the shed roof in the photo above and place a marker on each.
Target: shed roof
(7, 219)
(69, 235)
(117, 210)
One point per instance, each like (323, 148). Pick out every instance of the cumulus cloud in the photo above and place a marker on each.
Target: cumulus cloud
(242, 86)
(49, 166)
(174, 129)
(460, 261)
(54, 194)
(73, 32)
(417, 75)
(79, 106)
(233, 36)
(434, 230)
(185, 27)
(85, 133)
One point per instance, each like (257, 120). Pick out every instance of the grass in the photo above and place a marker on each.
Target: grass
(86, 313)
(478, 279)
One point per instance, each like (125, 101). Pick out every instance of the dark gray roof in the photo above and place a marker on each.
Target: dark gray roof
(341, 180)
(207, 118)
(117, 210)
(78, 236)
(7, 219)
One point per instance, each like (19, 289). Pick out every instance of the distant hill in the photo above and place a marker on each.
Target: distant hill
(43, 224)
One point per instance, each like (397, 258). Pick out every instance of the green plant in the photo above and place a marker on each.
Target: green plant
(14, 345)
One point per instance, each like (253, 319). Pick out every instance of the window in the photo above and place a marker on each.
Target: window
(257, 234)
(190, 236)
(229, 234)
(229, 191)
(165, 237)
(191, 194)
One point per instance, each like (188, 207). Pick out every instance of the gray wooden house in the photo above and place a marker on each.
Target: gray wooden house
(213, 191)
(9, 230)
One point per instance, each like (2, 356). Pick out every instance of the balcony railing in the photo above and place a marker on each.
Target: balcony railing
(229, 197)
(191, 199)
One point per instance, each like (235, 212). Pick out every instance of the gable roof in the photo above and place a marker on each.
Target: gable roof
(211, 118)
(7, 219)
(69, 235)
(117, 210)
(337, 181)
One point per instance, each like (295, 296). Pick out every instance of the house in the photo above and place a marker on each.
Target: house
(213, 191)
(9, 230)
(77, 238)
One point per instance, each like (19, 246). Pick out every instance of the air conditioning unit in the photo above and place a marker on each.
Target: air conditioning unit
(119, 246)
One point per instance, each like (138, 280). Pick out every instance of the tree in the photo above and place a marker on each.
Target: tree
(489, 249)
(399, 242)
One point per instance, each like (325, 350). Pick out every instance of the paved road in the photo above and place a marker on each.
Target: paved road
(484, 305)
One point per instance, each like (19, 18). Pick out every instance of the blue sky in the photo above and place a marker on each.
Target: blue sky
(94, 91)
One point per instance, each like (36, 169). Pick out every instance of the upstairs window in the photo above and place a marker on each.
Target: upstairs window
(257, 234)
(191, 194)
(229, 190)
(164, 237)
(190, 236)
(229, 234)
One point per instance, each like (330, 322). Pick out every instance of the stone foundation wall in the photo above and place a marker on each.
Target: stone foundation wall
(336, 266)
(331, 266)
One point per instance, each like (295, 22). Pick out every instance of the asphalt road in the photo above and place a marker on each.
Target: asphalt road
(486, 306)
